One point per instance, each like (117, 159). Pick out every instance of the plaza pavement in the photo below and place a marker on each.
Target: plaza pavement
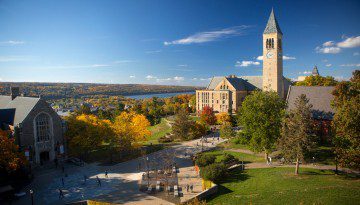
(121, 186)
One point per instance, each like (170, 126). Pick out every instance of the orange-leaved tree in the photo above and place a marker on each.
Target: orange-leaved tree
(10, 158)
(208, 116)
(223, 118)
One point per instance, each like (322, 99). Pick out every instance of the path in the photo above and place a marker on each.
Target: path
(121, 186)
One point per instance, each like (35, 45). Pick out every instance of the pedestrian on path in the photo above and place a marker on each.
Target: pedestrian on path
(61, 194)
(62, 181)
(98, 180)
(106, 174)
(85, 177)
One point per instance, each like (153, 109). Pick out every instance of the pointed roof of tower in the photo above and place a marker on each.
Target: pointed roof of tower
(272, 25)
(315, 71)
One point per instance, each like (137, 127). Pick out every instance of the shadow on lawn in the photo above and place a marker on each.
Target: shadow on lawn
(233, 176)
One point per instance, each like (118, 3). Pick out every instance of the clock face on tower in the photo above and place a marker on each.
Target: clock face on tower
(269, 55)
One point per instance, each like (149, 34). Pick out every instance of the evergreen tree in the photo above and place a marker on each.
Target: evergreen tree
(182, 126)
(297, 136)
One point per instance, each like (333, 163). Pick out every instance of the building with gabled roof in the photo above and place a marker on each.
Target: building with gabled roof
(36, 126)
(225, 94)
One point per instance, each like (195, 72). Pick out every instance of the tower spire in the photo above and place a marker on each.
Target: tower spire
(272, 25)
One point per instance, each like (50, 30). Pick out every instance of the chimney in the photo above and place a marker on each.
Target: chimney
(15, 91)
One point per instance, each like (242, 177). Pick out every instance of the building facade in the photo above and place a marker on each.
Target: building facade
(36, 126)
(225, 94)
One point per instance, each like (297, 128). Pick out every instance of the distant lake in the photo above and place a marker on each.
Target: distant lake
(158, 95)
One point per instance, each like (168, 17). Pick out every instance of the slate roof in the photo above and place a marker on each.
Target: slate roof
(214, 82)
(272, 25)
(23, 106)
(253, 82)
(319, 96)
(237, 83)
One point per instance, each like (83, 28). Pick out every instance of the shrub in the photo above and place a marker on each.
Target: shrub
(165, 139)
(228, 158)
(213, 172)
(204, 160)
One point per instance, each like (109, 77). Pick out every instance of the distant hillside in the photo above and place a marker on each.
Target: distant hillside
(77, 90)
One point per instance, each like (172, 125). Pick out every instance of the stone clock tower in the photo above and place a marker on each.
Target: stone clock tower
(273, 57)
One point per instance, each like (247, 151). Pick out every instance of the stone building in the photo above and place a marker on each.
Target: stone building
(225, 94)
(36, 126)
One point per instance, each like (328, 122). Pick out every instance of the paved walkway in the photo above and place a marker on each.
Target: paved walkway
(121, 185)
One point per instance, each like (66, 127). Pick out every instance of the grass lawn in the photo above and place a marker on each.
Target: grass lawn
(158, 131)
(247, 158)
(281, 186)
(232, 145)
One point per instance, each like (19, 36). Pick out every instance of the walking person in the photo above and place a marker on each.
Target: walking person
(85, 177)
(61, 194)
(106, 174)
(98, 180)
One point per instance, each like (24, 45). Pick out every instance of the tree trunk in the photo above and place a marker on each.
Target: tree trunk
(297, 166)
(267, 157)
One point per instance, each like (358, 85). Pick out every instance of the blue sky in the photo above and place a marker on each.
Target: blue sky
(171, 42)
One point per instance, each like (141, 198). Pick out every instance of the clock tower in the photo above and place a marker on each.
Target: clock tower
(273, 57)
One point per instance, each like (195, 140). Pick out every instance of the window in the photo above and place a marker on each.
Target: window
(42, 127)
(272, 43)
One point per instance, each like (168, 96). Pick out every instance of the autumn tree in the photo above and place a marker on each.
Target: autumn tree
(317, 81)
(223, 118)
(346, 122)
(260, 115)
(297, 135)
(197, 130)
(208, 116)
(130, 128)
(86, 133)
(182, 126)
(10, 158)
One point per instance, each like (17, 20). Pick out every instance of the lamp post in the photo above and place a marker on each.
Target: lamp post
(32, 196)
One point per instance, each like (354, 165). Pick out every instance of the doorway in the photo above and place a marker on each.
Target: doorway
(44, 157)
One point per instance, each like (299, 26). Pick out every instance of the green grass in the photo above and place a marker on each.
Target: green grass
(281, 186)
(157, 131)
(247, 158)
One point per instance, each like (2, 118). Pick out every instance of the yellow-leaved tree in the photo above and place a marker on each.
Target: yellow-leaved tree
(130, 128)
(223, 118)
(86, 133)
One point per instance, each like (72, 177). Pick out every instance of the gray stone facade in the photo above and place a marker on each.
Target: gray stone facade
(37, 128)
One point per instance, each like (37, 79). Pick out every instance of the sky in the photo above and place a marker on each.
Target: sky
(171, 42)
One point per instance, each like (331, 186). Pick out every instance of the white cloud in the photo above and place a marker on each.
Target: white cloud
(246, 63)
(183, 65)
(194, 78)
(325, 60)
(350, 65)
(350, 42)
(173, 79)
(332, 50)
(12, 42)
(328, 65)
(288, 58)
(305, 72)
(205, 79)
(341, 78)
(99, 65)
(132, 76)
(260, 58)
(149, 77)
(328, 43)
(209, 36)
(356, 54)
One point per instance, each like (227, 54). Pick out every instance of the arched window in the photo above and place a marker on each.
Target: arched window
(272, 43)
(42, 127)
(267, 43)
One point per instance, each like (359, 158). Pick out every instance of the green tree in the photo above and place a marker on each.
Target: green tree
(297, 136)
(213, 172)
(197, 130)
(226, 131)
(182, 126)
(317, 81)
(260, 115)
(346, 122)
